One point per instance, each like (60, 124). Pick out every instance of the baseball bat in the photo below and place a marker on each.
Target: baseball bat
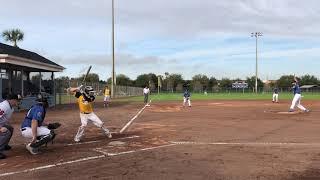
(85, 76)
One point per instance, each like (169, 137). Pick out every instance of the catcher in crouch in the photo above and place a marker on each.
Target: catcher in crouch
(35, 129)
(85, 101)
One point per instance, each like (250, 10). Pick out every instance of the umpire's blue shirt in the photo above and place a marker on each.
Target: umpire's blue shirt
(36, 112)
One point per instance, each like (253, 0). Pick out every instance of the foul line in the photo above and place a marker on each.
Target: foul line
(52, 165)
(132, 119)
(105, 154)
(133, 151)
(246, 143)
(90, 142)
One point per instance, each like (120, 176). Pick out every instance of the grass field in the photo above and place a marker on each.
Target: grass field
(227, 96)
(66, 99)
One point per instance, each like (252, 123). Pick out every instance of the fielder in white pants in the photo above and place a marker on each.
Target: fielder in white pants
(296, 102)
(186, 98)
(297, 97)
(275, 96)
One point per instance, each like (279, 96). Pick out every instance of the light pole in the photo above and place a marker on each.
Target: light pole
(256, 35)
(113, 72)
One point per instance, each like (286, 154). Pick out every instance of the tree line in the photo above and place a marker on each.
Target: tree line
(200, 82)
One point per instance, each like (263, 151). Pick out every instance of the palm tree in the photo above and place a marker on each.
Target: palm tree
(13, 35)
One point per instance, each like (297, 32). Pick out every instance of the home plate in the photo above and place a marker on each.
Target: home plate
(117, 143)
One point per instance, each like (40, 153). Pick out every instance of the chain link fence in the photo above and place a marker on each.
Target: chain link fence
(62, 97)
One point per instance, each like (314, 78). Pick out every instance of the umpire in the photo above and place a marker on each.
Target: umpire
(6, 130)
(146, 92)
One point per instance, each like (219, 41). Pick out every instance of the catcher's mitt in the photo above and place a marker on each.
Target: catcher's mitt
(53, 125)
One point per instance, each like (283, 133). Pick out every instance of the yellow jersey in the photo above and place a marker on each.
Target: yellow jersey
(107, 92)
(85, 106)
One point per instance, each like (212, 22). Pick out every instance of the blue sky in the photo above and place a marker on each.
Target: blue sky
(176, 36)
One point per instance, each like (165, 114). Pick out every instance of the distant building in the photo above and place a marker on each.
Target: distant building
(26, 73)
(240, 85)
(310, 88)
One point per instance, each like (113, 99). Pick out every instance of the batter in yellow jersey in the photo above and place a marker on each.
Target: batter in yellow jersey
(85, 102)
(84, 105)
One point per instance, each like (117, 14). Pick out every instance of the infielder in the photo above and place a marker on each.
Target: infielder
(186, 97)
(85, 101)
(106, 99)
(297, 97)
(34, 129)
(275, 96)
(6, 130)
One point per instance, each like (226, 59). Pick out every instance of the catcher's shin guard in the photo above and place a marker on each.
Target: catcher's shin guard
(43, 140)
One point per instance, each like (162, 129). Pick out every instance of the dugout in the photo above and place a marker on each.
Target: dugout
(26, 73)
(310, 88)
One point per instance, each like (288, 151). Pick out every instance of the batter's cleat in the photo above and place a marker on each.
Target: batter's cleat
(2, 156)
(291, 110)
(32, 150)
(109, 135)
(76, 140)
(307, 110)
(7, 147)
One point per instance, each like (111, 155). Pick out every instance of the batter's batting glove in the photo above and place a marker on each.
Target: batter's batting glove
(80, 87)
(53, 125)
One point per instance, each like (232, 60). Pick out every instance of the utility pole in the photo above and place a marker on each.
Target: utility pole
(113, 71)
(256, 35)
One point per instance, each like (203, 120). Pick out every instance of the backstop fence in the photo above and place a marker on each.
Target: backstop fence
(62, 97)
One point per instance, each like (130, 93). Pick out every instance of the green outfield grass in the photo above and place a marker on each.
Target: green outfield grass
(228, 96)
(66, 99)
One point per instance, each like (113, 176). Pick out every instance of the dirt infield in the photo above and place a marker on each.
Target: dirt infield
(210, 140)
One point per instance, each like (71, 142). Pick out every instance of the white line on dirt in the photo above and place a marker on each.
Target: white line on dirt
(105, 154)
(246, 143)
(133, 151)
(52, 165)
(134, 117)
(90, 142)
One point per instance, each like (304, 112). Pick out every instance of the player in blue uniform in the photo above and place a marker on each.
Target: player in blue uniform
(35, 129)
(275, 96)
(297, 97)
(186, 97)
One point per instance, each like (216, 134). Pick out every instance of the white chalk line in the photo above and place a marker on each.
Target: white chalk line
(246, 143)
(52, 165)
(134, 117)
(133, 151)
(91, 142)
(104, 154)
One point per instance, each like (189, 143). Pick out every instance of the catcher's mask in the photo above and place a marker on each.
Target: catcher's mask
(41, 99)
(88, 92)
